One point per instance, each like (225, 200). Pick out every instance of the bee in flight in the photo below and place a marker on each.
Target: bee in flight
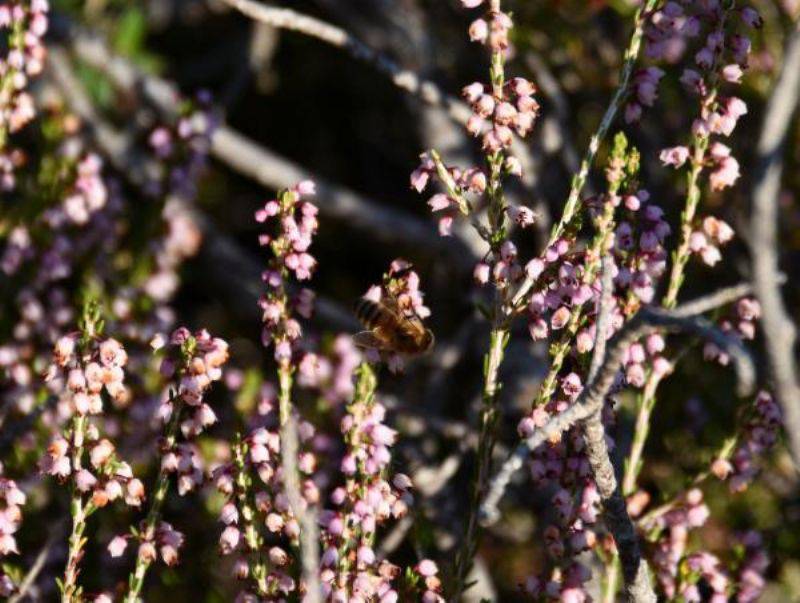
(390, 328)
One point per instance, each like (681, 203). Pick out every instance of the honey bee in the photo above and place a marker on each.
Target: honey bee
(391, 329)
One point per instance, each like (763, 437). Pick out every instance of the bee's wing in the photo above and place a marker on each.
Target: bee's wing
(368, 339)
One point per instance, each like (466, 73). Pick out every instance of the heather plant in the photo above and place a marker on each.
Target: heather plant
(558, 392)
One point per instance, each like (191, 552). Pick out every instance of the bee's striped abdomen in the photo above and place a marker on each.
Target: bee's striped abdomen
(369, 312)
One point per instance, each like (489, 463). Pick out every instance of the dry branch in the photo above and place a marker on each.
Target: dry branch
(780, 334)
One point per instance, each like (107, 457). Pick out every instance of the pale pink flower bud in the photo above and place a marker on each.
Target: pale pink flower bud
(427, 568)
(229, 540)
(101, 453)
(278, 556)
(481, 273)
(479, 31)
(117, 546)
(675, 156)
(147, 551)
(534, 268)
(560, 318)
(85, 481)
(473, 92)
(439, 202)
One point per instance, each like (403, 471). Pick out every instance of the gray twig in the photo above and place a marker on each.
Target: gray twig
(56, 534)
(603, 317)
(780, 334)
(305, 513)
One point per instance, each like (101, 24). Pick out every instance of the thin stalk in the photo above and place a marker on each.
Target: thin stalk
(70, 591)
(258, 567)
(309, 538)
(633, 464)
(489, 415)
(136, 578)
(683, 252)
(611, 585)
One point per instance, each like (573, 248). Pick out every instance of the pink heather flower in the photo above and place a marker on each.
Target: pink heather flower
(523, 216)
(675, 156)
(419, 179)
(725, 175)
(427, 568)
(439, 202)
(473, 92)
(446, 226)
(117, 546)
(229, 540)
(481, 273)
(306, 188)
(710, 255)
(479, 31)
(732, 73)
(560, 318)
(534, 268)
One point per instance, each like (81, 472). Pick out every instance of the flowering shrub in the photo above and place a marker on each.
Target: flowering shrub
(600, 453)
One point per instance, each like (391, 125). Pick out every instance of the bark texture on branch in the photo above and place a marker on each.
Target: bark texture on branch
(780, 334)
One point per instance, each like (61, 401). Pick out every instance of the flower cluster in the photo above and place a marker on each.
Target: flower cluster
(11, 499)
(253, 485)
(426, 571)
(562, 467)
(23, 23)
(183, 149)
(750, 579)
(740, 323)
(722, 57)
(760, 433)
(331, 374)
(181, 240)
(166, 543)
(674, 527)
(706, 241)
(88, 194)
(645, 91)
(369, 498)
(491, 29)
(195, 360)
(496, 115)
(295, 221)
(83, 374)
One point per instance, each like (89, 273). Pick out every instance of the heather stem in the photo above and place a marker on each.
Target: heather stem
(147, 533)
(633, 464)
(683, 252)
(69, 588)
(258, 567)
(308, 545)
(489, 414)
(498, 340)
